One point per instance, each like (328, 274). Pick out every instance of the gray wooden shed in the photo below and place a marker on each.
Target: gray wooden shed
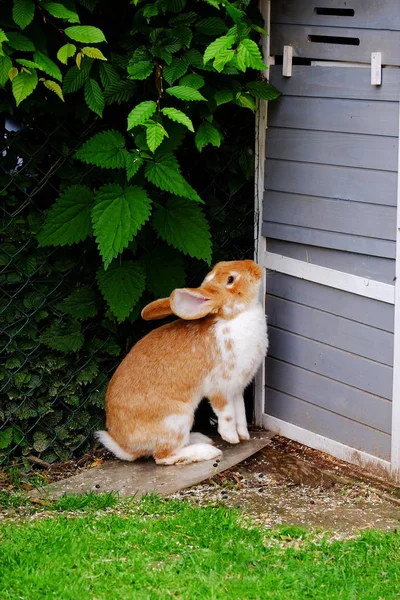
(328, 228)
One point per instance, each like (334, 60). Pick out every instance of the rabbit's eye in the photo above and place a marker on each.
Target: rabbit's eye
(231, 279)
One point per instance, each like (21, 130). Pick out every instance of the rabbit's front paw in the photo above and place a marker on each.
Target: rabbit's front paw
(229, 434)
(243, 433)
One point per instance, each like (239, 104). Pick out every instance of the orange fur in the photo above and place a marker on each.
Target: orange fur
(162, 375)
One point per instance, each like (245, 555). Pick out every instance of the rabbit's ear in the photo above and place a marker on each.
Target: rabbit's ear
(191, 304)
(159, 309)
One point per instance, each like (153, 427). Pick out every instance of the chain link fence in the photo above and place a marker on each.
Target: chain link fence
(52, 401)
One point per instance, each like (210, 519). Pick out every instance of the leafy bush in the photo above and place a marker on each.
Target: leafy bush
(126, 169)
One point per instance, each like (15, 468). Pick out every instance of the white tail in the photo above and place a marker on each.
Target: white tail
(105, 438)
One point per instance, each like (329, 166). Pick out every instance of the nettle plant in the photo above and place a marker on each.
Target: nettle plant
(169, 69)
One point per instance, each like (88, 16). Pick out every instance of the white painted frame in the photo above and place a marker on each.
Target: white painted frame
(329, 277)
(319, 442)
(260, 245)
(395, 449)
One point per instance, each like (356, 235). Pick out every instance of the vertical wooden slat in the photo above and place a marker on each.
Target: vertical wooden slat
(395, 451)
(260, 241)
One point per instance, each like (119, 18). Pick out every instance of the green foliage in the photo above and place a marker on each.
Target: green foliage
(183, 225)
(117, 216)
(132, 163)
(68, 221)
(122, 286)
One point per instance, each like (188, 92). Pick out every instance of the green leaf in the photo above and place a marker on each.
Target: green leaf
(140, 70)
(207, 134)
(108, 75)
(47, 65)
(65, 337)
(3, 37)
(85, 33)
(178, 116)
(223, 96)
(165, 271)
(29, 64)
(175, 70)
(222, 58)
(233, 12)
(23, 86)
(93, 53)
(141, 112)
(133, 163)
(222, 43)
(263, 90)
(66, 52)
(94, 97)
(120, 91)
(117, 216)
(5, 66)
(211, 26)
(88, 373)
(249, 55)
(122, 285)
(246, 101)
(183, 225)
(165, 174)
(193, 80)
(105, 149)
(20, 42)
(151, 10)
(184, 93)
(74, 79)
(82, 303)
(6, 437)
(59, 11)
(68, 220)
(23, 12)
(40, 441)
(155, 133)
(54, 87)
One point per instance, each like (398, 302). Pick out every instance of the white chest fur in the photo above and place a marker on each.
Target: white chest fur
(242, 344)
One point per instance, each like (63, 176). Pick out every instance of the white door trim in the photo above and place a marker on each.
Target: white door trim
(319, 442)
(330, 277)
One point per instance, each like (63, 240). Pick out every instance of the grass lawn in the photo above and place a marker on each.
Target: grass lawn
(97, 548)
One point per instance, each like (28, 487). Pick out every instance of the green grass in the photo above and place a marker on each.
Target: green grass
(161, 549)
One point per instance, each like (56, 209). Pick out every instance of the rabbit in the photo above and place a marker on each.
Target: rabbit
(212, 350)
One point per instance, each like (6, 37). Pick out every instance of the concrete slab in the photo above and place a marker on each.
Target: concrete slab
(144, 476)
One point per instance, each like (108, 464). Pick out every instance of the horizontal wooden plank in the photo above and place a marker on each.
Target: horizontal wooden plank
(338, 332)
(336, 82)
(330, 148)
(368, 14)
(371, 267)
(355, 218)
(330, 425)
(329, 239)
(343, 183)
(367, 375)
(300, 36)
(331, 395)
(350, 306)
(331, 114)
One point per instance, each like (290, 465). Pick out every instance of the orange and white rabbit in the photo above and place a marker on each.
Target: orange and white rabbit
(212, 351)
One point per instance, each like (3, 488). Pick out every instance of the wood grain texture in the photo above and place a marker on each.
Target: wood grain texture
(371, 40)
(328, 424)
(337, 397)
(328, 114)
(336, 364)
(350, 306)
(329, 239)
(330, 181)
(338, 332)
(331, 148)
(368, 220)
(368, 14)
(336, 82)
(363, 265)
